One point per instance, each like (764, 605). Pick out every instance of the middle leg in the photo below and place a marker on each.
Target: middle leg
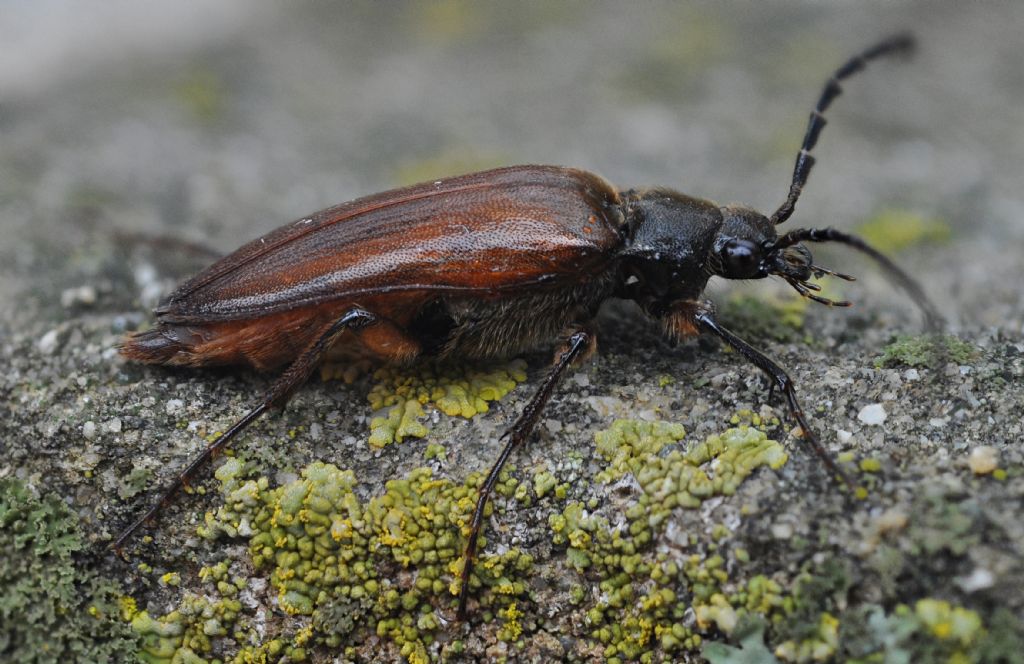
(578, 344)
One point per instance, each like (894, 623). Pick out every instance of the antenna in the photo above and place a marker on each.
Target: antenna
(896, 44)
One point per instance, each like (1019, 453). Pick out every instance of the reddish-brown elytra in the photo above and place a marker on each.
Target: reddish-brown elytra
(487, 265)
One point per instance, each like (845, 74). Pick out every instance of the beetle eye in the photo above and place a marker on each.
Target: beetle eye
(742, 260)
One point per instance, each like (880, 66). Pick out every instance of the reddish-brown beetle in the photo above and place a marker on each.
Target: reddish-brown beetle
(486, 265)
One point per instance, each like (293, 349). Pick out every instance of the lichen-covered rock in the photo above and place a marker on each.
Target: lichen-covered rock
(457, 390)
(387, 567)
(53, 609)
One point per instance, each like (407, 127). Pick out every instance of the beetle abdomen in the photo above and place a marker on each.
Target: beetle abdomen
(159, 345)
(508, 326)
(263, 343)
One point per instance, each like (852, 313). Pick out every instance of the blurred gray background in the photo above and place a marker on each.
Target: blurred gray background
(217, 121)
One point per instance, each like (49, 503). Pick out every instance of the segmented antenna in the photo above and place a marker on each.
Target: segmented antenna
(933, 319)
(899, 43)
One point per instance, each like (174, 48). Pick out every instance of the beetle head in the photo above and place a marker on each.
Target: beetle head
(743, 245)
(747, 247)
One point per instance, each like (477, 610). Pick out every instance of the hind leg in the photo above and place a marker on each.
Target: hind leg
(280, 391)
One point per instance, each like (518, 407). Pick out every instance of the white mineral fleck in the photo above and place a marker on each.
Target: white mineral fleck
(983, 459)
(872, 414)
(48, 342)
(78, 295)
(979, 579)
(605, 406)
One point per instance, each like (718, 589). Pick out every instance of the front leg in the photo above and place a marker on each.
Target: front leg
(703, 318)
(578, 344)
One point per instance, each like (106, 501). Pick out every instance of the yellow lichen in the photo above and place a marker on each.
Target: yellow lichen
(717, 611)
(870, 465)
(456, 391)
(820, 647)
(949, 623)
(384, 565)
(894, 230)
(512, 629)
(644, 593)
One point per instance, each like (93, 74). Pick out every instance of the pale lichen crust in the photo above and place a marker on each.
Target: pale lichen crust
(652, 599)
(401, 395)
(348, 567)
(339, 566)
(52, 607)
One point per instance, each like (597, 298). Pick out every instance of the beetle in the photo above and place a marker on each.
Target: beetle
(486, 265)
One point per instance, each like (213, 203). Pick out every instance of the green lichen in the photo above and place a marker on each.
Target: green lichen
(954, 624)
(387, 566)
(747, 417)
(187, 633)
(816, 590)
(817, 623)
(436, 451)
(778, 317)
(686, 479)
(925, 351)
(52, 608)
(349, 567)
(202, 93)
(455, 390)
(1003, 639)
(751, 648)
(819, 646)
(645, 592)
(402, 420)
(193, 632)
(931, 630)
(543, 482)
(135, 482)
(895, 230)
(942, 523)
(628, 442)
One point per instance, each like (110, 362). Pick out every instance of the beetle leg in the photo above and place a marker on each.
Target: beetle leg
(278, 394)
(578, 344)
(705, 319)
